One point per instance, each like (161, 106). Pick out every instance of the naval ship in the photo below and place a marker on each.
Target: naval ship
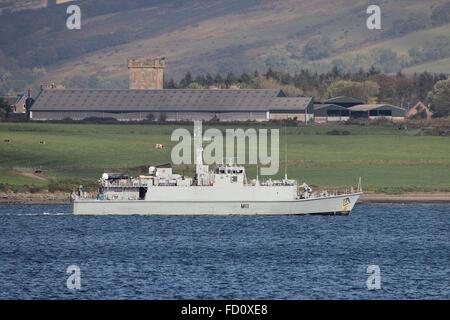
(225, 190)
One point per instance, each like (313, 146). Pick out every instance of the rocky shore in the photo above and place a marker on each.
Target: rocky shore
(35, 198)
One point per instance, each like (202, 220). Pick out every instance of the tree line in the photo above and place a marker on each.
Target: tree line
(371, 86)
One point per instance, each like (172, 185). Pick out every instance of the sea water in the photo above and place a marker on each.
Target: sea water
(230, 257)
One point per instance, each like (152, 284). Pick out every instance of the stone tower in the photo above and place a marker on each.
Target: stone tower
(146, 73)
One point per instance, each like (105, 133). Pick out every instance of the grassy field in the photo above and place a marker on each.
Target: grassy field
(388, 159)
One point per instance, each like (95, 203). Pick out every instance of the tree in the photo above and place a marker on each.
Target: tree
(246, 79)
(171, 84)
(366, 90)
(218, 79)
(230, 79)
(318, 47)
(264, 83)
(440, 97)
(404, 88)
(209, 79)
(186, 80)
(424, 84)
(194, 85)
(200, 79)
(441, 15)
(373, 71)
(5, 109)
(387, 59)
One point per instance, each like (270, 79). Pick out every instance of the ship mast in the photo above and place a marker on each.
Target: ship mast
(201, 170)
(198, 145)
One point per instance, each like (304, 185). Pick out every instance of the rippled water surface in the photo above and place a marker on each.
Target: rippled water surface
(286, 257)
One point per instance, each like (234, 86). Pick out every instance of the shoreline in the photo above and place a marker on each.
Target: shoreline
(410, 197)
(368, 198)
(35, 198)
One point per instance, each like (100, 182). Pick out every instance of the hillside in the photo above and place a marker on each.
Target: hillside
(217, 36)
(16, 6)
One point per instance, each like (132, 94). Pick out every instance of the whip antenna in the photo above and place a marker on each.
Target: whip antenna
(285, 151)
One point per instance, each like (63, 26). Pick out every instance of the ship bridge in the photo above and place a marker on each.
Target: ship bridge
(227, 169)
(228, 174)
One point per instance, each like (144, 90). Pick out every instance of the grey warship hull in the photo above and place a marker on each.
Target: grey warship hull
(223, 191)
(330, 205)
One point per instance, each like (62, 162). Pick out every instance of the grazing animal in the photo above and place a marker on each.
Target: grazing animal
(159, 146)
(42, 142)
(7, 140)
